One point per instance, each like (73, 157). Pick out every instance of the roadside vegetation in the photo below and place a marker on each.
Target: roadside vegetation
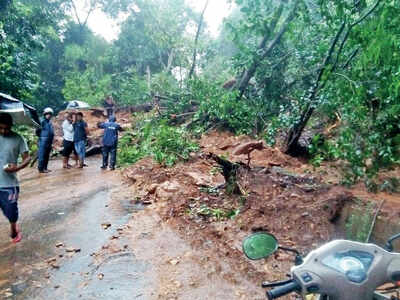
(155, 138)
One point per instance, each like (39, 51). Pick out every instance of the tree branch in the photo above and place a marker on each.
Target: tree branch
(341, 48)
(91, 9)
(329, 55)
(366, 14)
(350, 58)
(76, 12)
(249, 73)
(197, 40)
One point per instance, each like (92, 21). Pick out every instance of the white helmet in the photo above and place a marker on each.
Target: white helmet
(48, 110)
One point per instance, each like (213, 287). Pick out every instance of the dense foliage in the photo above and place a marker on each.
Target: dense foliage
(326, 71)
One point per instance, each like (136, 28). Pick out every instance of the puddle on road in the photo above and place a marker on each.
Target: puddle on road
(123, 279)
(77, 225)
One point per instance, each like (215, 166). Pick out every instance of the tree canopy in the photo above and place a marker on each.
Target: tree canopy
(320, 76)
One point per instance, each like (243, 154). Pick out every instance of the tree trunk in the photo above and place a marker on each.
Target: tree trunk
(296, 131)
(292, 141)
(249, 73)
(196, 41)
(148, 74)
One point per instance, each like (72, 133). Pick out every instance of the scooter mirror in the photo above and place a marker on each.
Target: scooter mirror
(259, 245)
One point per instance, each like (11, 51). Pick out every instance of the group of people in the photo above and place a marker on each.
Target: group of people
(75, 134)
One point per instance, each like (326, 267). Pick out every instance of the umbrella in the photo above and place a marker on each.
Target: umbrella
(22, 113)
(76, 104)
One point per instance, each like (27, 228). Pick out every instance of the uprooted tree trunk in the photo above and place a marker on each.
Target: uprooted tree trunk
(292, 140)
(229, 171)
(265, 48)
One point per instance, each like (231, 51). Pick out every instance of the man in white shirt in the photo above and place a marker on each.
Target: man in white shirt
(68, 142)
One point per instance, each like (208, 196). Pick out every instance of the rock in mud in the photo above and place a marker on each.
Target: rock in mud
(248, 147)
(55, 266)
(106, 225)
(174, 262)
(73, 250)
(51, 260)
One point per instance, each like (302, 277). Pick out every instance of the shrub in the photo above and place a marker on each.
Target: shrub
(155, 138)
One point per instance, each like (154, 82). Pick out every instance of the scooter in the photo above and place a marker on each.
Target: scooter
(338, 270)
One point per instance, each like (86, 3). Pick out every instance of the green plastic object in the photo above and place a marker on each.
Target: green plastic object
(259, 245)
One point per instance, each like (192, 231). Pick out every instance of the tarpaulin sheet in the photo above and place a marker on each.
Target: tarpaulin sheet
(22, 113)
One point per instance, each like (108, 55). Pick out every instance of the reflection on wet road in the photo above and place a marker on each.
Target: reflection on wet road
(61, 217)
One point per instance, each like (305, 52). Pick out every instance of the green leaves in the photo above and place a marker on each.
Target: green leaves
(166, 144)
(22, 27)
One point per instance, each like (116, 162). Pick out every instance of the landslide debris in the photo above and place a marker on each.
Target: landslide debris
(198, 200)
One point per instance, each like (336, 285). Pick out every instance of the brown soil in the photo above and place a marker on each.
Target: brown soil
(276, 194)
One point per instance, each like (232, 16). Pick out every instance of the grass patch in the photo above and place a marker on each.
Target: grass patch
(359, 223)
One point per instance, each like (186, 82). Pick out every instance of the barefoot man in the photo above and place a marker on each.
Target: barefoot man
(12, 145)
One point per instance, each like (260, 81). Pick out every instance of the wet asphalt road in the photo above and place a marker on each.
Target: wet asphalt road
(68, 207)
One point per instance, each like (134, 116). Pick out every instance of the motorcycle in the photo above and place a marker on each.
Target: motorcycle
(338, 270)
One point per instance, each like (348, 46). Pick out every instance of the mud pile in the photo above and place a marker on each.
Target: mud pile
(201, 201)
(91, 117)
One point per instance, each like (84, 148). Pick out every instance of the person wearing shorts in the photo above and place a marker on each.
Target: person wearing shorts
(80, 136)
(12, 146)
(68, 141)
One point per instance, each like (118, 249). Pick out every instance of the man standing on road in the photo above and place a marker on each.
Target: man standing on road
(68, 142)
(80, 136)
(12, 146)
(110, 142)
(46, 136)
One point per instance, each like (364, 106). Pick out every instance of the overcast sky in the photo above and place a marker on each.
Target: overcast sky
(217, 10)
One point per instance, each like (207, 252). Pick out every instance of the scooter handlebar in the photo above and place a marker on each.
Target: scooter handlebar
(283, 290)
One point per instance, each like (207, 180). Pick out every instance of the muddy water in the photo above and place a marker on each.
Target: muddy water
(68, 207)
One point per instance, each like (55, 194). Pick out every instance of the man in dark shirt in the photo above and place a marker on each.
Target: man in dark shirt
(110, 142)
(80, 135)
(109, 106)
(46, 136)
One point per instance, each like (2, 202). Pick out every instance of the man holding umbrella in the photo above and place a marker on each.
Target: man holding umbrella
(12, 146)
(46, 136)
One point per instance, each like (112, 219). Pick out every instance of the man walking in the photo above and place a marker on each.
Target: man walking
(46, 136)
(80, 136)
(12, 146)
(110, 142)
(68, 141)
